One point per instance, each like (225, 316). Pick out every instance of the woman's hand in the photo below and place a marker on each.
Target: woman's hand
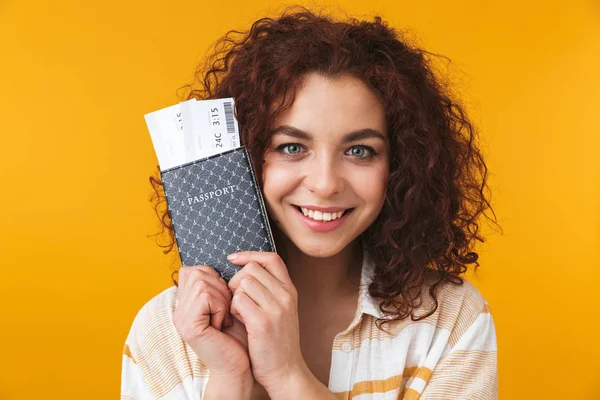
(203, 308)
(266, 301)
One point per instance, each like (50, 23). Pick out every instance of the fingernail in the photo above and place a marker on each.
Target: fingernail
(232, 256)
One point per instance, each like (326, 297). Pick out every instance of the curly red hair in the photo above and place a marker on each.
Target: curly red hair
(425, 233)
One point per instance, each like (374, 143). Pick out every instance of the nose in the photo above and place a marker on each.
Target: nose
(324, 177)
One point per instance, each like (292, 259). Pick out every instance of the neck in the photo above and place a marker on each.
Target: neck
(324, 279)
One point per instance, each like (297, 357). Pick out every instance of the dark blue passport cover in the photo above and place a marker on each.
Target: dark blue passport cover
(216, 208)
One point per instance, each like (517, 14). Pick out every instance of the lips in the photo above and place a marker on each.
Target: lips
(323, 226)
(329, 210)
(322, 209)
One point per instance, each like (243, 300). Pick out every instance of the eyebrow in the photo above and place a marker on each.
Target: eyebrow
(349, 137)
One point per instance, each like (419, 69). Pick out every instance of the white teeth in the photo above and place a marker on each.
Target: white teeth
(321, 216)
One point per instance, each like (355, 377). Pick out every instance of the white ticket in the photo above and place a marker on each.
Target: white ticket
(193, 129)
(167, 131)
(211, 124)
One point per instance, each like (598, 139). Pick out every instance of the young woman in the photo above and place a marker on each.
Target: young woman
(373, 185)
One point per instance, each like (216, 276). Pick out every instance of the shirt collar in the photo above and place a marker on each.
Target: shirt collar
(366, 304)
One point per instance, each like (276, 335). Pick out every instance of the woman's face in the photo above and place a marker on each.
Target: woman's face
(330, 150)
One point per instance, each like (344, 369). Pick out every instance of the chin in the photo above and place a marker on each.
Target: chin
(319, 249)
(314, 245)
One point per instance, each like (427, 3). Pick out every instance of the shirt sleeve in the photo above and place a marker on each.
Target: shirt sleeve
(133, 384)
(469, 369)
(156, 362)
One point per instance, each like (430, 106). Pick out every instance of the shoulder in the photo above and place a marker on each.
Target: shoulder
(450, 353)
(154, 315)
(164, 359)
(462, 361)
(458, 299)
(461, 311)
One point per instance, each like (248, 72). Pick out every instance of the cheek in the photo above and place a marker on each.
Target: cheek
(374, 185)
(277, 181)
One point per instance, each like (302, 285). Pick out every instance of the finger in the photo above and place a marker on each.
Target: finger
(208, 269)
(272, 262)
(194, 289)
(195, 312)
(207, 306)
(205, 272)
(191, 274)
(256, 271)
(234, 308)
(185, 270)
(245, 309)
(214, 279)
(257, 292)
(218, 314)
(220, 284)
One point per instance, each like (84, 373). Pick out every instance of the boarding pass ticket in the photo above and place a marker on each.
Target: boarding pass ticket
(193, 129)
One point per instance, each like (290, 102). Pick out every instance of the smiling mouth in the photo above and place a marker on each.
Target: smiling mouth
(331, 218)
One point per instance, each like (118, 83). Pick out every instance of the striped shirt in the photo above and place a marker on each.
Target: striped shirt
(451, 354)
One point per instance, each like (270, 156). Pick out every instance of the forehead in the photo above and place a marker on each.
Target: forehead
(326, 106)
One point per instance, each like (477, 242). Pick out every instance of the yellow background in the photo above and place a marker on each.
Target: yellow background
(77, 262)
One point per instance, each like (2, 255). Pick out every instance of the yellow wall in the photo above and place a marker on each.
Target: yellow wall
(77, 76)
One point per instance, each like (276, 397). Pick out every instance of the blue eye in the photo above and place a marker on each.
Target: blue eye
(289, 146)
(361, 152)
(358, 153)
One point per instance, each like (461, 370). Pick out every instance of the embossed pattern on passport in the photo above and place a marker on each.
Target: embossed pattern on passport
(217, 209)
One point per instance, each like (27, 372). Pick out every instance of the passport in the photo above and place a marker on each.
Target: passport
(216, 208)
